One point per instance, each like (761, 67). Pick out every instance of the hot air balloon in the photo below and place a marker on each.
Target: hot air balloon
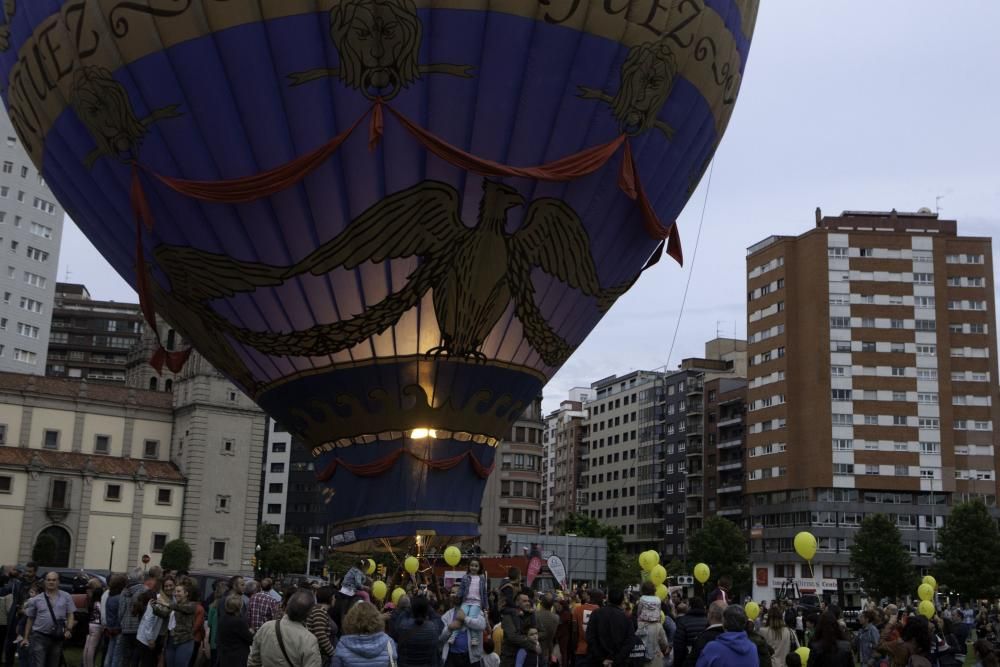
(388, 221)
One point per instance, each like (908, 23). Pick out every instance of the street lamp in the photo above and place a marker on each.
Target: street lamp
(256, 562)
(111, 558)
(310, 554)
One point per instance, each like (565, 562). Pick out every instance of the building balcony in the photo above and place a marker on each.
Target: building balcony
(695, 491)
(695, 387)
(57, 514)
(730, 465)
(696, 473)
(694, 448)
(694, 408)
(695, 430)
(732, 421)
(726, 444)
(730, 511)
(731, 488)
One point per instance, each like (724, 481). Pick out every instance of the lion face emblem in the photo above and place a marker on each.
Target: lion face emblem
(378, 42)
(647, 78)
(103, 106)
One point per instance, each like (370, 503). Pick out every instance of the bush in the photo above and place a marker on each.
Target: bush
(176, 555)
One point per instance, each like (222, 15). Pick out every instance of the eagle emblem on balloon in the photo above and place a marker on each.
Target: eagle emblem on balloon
(474, 273)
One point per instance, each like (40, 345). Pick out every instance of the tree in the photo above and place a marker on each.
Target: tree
(623, 570)
(284, 556)
(967, 552)
(721, 545)
(44, 551)
(176, 555)
(880, 561)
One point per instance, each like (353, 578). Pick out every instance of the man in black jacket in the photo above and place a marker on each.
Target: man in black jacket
(689, 626)
(513, 621)
(609, 633)
(711, 633)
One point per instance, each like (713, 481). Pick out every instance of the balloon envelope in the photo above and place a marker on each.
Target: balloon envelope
(702, 573)
(925, 591)
(658, 574)
(752, 610)
(662, 592)
(411, 564)
(452, 556)
(930, 581)
(396, 594)
(805, 545)
(375, 277)
(803, 653)
(926, 609)
(371, 567)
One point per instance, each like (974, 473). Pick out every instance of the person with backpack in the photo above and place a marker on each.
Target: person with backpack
(649, 630)
(610, 632)
(689, 626)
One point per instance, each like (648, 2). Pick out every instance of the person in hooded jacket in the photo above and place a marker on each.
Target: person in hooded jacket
(689, 626)
(417, 634)
(732, 648)
(364, 642)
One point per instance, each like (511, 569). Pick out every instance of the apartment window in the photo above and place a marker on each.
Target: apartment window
(232, 396)
(868, 322)
(840, 322)
(899, 395)
(927, 374)
(843, 468)
(837, 252)
(30, 305)
(897, 347)
(59, 494)
(276, 487)
(871, 469)
(8, 167)
(102, 444)
(899, 420)
(41, 230)
(27, 330)
(866, 252)
(218, 550)
(222, 503)
(159, 542)
(843, 444)
(898, 371)
(923, 278)
(25, 356)
(930, 447)
(50, 439)
(928, 397)
(274, 508)
(229, 446)
(871, 420)
(277, 467)
(37, 255)
(3, 434)
(926, 350)
(164, 496)
(867, 346)
(929, 422)
(278, 447)
(113, 493)
(841, 394)
(925, 325)
(151, 449)
(842, 419)
(927, 473)
(6, 484)
(838, 371)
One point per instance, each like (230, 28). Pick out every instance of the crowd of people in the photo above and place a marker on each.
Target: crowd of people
(157, 618)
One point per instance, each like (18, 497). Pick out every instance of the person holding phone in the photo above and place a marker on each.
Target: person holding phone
(50, 623)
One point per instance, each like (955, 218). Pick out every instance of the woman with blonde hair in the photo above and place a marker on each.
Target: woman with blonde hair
(364, 642)
(778, 636)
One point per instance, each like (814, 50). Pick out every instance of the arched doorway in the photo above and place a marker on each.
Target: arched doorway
(53, 545)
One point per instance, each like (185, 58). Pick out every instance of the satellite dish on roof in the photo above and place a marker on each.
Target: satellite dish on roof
(923, 210)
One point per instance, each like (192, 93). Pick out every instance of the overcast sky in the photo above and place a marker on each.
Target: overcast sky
(847, 105)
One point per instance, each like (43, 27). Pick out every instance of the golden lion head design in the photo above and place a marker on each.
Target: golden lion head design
(647, 79)
(103, 106)
(378, 42)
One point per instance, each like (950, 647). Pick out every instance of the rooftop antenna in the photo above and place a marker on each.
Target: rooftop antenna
(937, 204)
(68, 273)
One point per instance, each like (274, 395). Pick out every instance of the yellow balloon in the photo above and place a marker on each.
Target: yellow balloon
(803, 653)
(379, 590)
(452, 556)
(930, 581)
(371, 566)
(646, 561)
(662, 592)
(805, 545)
(396, 594)
(926, 609)
(925, 592)
(658, 574)
(752, 610)
(702, 573)
(411, 564)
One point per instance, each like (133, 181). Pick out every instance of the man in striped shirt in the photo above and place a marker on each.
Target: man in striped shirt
(320, 624)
